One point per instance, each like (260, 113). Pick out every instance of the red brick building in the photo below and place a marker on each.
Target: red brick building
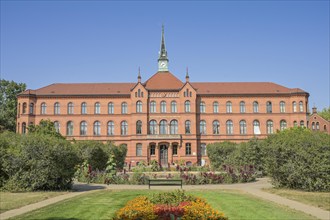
(164, 118)
(317, 123)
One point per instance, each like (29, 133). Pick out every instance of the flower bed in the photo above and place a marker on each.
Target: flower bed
(175, 205)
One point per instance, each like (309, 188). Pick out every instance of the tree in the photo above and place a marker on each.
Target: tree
(298, 158)
(8, 103)
(325, 113)
(45, 127)
(36, 162)
(218, 153)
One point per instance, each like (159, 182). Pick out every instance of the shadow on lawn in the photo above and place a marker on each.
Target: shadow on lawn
(81, 187)
(58, 218)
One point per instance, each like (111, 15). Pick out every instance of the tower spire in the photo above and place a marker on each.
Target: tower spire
(187, 75)
(162, 60)
(139, 76)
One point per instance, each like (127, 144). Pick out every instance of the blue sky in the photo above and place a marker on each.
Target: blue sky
(286, 42)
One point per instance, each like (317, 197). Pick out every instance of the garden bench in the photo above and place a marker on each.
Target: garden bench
(165, 182)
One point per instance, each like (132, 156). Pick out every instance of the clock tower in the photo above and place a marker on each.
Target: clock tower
(162, 60)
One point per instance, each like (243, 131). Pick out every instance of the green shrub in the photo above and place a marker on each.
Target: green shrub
(39, 162)
(119, 153)
(93, 153)
(219, 152)
(298, 158)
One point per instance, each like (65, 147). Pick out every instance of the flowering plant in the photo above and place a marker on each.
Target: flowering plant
(168, 206)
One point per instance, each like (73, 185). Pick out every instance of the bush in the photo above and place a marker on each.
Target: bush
(93, 153)
(298, 158)
(218, 153)
(119, 153)
(39, 162)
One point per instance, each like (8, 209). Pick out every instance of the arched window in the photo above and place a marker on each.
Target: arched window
(163, 127)
(23, 128)
(255, 107)
(24, 108)
(152, 127)
(216, 127)
(269, 107)
(123, 128)
(173, 107)
(325, 127)
(202, 127)
(138, 106)
(301, 106)
(153, 107)
(139, 127)
(242, 107)
(203, 149)
(242, 127)
(97, 108)
(317, 126)
(97, 128)
(302, 123)
(31, 108)
(187, 127)
(69, 128)
(174, 127)
(187, 106)
(139, 92)
(57, 126)
(43, 108)
(313, 126)
(57, 108)
(229, 127)
(163, 107)
(295, 124)
(283, 125)
(282, 106)
(202, 107)
(294, 106)
(229, 107)
(124, 108)
(111, 108)
(256, 127)
(270, 127)
(83, 128)
(70, 108)
(215, 107)
(83, 108)
(111, 128)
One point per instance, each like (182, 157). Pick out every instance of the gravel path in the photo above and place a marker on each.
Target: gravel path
(252, 188)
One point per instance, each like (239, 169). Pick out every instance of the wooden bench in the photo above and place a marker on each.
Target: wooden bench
(165, 182)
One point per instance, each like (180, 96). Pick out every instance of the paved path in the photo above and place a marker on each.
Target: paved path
(252, 188)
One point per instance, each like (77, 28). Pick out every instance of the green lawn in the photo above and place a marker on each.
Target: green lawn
(318, 199)
(10, 201)
(103, 204)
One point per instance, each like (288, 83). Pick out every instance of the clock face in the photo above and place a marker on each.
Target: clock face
(162, 64)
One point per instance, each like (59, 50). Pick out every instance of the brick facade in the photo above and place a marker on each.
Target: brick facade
(164, 106)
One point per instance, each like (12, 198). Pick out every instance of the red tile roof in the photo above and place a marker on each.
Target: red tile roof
(84, 89)
(228, 88)
(163, 81)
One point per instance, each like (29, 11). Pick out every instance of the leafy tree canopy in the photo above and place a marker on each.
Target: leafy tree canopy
(325, 113)
(8, 103)
(45, 127)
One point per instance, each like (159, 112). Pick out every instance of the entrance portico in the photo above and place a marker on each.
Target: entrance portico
(162, 152)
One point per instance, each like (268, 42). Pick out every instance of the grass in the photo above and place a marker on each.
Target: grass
(318, 199)
(103, 205)
(10, 201)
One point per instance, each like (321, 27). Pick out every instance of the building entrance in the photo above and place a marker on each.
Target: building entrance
(163, 155)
